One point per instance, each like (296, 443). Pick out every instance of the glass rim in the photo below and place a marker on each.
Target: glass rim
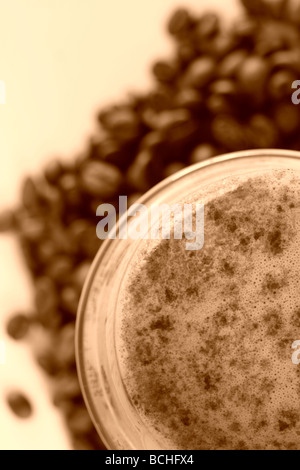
(154, 191)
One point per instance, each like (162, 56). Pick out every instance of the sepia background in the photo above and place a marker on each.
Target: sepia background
(62, 61)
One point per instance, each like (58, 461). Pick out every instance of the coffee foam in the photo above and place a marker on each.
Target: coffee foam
(205, 337)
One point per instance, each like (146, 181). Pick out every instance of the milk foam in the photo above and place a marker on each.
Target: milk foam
(205, 337)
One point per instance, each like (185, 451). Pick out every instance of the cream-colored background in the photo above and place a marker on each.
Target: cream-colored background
(60, 61)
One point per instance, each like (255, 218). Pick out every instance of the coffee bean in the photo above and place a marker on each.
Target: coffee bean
(65, 388)
(200, 72)
(202, 152)
(232, 63)
(80, 274)
(69, 300)
(19, 404)
(53, 171)
(190, 99)
(18, 326)
(261, 132)
(287, 118)
(60, 269)
(164, 71)
(180, 22)
(79, 421)
(207, 26)
(279, 86)
(252, 76)
(100, 179)
(228, 133)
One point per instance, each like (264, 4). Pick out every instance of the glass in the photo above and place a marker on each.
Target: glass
(116, 420)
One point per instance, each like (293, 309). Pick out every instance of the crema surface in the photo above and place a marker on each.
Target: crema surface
(205, 337)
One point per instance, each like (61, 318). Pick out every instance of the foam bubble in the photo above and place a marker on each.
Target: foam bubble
(205, 337)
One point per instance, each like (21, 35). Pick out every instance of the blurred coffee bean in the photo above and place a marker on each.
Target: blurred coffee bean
(186, 51)
(219, 104)
(286, 59)
(46, 302)
(122, 123)
(69, 300)
(232, 63)
(68, 184)
(100, 179)
(19, 404)
(180, 22)
(139, 173)
(83, 235)
(228, 133)
(252, 76)
(275, 8)
(245, 30)
(207, 26)
(190, 99)
(79, 421)
(179, 129)
(60, 269)
(261, 132)
(64, 346)
(18, 326)
(47, 362)
(46, 250)
(253, 7)
(80, 274)
(202, 152)
(279, 86)
(111, 151)
(200, 72)
(164, 71)
(65, 388)
(173, 168)
(7, 221)
(32, 229)
(287, 118)
(53, 171)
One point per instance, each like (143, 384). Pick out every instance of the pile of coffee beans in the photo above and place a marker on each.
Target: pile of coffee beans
(223, 89)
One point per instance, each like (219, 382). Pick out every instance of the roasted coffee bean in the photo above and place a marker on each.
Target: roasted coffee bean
(69, 300)
(186, 51)
(122, 123)
(47, 362)
(232, 63)
(287, 118)
(279, 86)
(253, 75)
(19, 404)
(190, 99)
(164, 71)
(286, 59)
(53, 171)
(80, 275)
(261, 132)
(228, 133)
(60, 269)
(64, 347)
(65, 389)
(202, 152)
(31, 228)
(180, 22)
(79, 421)
(7, 221)
(138, 175)
(18, 326)
(100, 179)
(275, 8)
(207, 26)
(68, 184)
(160, 99)
(46, 303)
(200, 72)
